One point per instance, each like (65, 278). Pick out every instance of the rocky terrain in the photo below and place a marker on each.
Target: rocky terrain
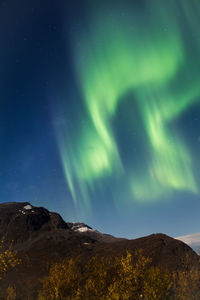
(42, 237)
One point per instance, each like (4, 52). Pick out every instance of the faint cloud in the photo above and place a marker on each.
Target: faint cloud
(190, 239)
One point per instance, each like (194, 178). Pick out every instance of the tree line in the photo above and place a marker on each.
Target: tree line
(128, 277)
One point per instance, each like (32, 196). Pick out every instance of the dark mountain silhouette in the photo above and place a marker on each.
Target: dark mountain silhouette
(42, 237)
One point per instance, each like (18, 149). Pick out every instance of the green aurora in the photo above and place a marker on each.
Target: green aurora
(149, 55)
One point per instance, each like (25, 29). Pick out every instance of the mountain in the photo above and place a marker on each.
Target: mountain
(193, 240)
(25, 223)
(42, 237)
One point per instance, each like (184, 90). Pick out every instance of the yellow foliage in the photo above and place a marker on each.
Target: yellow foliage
(100, 272)
(131, 276)
(107, 278)
(137, 280)
(59, 283)
(187, 284)
(8, 258)
(157, 285)
(11, 293)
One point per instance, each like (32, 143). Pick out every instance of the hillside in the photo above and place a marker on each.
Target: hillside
(42, 237)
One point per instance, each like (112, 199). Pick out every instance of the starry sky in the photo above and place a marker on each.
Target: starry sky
(100, 112)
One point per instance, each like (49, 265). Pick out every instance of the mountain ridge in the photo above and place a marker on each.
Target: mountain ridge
(42, 237)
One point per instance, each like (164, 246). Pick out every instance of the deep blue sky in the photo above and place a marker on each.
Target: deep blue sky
(62, 145)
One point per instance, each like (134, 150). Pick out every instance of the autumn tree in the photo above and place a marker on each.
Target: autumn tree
(187, 284)
(187, 281)
(101, 273)
(131, 276)
(8, 258)
(11, 293)
(106, 278)
(60, 283)
(138, 280)
(157, 285)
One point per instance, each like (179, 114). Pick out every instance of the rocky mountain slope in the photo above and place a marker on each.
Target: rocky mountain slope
(42, 237)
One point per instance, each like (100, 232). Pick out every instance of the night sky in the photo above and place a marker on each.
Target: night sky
(100, 112)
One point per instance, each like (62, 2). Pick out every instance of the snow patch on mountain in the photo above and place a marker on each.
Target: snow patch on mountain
(81, 227)
(27, 207)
